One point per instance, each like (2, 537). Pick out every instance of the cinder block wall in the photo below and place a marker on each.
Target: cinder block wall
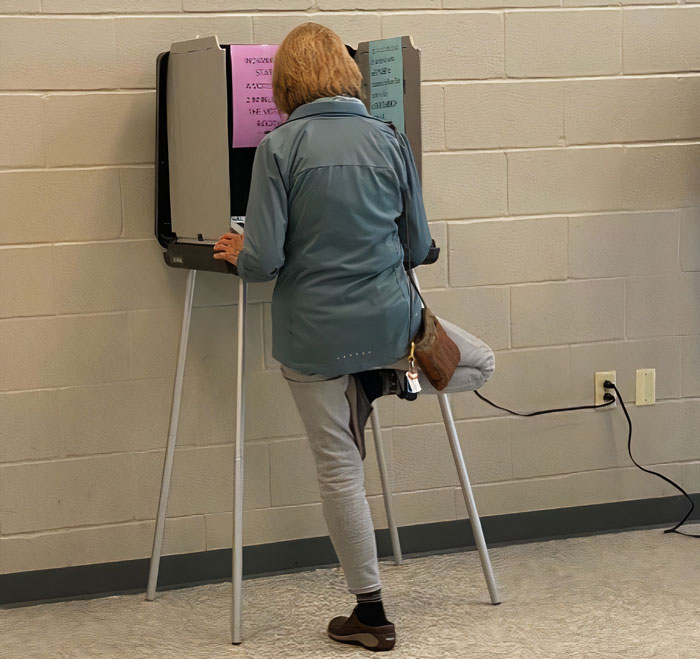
(562, 165)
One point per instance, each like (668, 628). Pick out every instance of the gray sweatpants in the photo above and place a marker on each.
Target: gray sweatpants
(325, 412)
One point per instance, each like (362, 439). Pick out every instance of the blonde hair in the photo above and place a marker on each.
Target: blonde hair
(312, 63)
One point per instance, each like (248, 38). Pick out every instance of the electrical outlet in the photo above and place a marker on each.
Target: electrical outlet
(646, 386)
(600, 390)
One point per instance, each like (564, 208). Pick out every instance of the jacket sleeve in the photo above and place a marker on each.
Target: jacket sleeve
(266, 220)
(413, 224)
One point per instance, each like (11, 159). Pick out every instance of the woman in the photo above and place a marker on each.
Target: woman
(334, 201)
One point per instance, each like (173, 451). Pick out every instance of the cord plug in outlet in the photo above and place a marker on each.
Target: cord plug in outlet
(604, 380)
(608, 397)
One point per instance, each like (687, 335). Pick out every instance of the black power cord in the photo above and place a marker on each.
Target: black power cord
(607, 397)
(611, 385)
(610, 399)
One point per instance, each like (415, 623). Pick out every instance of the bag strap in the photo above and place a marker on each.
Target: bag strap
(408, 236)
(408, 249)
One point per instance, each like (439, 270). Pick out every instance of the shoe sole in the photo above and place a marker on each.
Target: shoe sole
(366, 640)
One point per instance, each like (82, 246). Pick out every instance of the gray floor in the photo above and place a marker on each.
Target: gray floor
(634, 594)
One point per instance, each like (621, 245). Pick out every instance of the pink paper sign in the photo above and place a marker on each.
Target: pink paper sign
(254, 111)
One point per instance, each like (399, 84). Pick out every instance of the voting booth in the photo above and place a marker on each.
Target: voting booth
(214, 106)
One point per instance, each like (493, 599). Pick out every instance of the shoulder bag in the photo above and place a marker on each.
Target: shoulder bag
(434, 351)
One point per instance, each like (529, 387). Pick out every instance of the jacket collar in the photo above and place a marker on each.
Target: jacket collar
(331, 105)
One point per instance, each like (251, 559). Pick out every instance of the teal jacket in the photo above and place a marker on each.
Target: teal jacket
(325, 217)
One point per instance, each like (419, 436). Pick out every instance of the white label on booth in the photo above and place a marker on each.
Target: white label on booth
(386, 80)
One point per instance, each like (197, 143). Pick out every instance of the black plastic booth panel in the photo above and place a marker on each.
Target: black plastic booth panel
(186, 252)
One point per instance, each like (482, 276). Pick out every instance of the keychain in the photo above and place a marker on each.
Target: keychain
(412, 374)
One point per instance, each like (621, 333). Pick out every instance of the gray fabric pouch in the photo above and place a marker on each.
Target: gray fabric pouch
(360, 410)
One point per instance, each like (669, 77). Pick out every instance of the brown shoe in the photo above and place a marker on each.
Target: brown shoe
(351, 630)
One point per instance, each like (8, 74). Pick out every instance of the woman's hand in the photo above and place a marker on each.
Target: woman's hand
(229, 247)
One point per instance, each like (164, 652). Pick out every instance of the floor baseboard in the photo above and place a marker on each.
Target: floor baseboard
(184, 570)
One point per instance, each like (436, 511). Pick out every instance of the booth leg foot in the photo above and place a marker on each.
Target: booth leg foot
(172, 437)
(469, 498)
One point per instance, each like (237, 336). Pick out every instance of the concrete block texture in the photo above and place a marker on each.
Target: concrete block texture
(113, 276)
(565, 443)
(33, 266)
(623, 244)
(659, 40)
(61, 351)
(566, 490)
(483, 312)
(527, 250)
(568, 312)
(611, 178)
(524, 381)
(352, 28)
(661, 177)
(504, 114)
(490, 4)
(42, 206)
(433, 116)
(138, 201)
(99, 544)
(110, 6)
(244, 5)
(586, 3)
(99, 129)
(93, 490)
(20, 6)
(423, 459)
(690, 238)
(26, 67)
(642, 109)
(203, 479)
(559, 43)
(264, 525)
(459, 46)
(691, 476)
(565, 181)
(465, 185)
(421, 507)
(139, 42)
(124, 487)
(435, 275)
(21, 120)
(346, 5)
(668, 434)
(400, 413)
(87, 420)
(690, 365)
(663, 305)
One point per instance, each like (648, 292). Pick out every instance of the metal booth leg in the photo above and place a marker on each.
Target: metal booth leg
(386, 487)
(172, 437)
(237, 540)
(468, 497)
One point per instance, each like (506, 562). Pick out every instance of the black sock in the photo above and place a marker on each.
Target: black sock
(370, 610)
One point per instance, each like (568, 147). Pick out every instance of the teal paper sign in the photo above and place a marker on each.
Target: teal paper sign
(386, 81)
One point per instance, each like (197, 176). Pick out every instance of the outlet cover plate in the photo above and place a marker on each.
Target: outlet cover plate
(646, 386)
(600, 378)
